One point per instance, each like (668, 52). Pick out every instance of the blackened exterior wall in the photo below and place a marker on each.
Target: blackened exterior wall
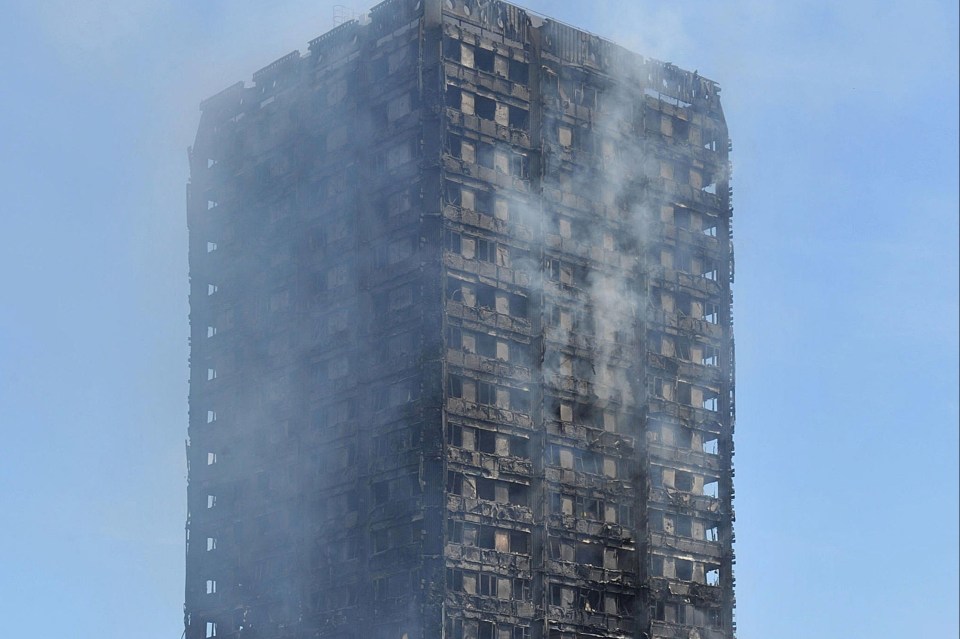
(462, 354)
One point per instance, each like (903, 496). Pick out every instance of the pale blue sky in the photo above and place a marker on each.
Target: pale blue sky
(844, 120)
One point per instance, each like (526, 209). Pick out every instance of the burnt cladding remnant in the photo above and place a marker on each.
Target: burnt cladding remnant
(462, 354)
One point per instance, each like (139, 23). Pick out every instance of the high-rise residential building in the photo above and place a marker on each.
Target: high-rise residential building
(461, 339)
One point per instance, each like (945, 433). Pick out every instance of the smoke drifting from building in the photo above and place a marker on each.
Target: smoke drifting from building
(462, 354)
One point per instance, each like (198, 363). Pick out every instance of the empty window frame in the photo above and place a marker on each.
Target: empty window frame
(452, 242)
(486, 393)
(451, 49)
(711, 446)
(485, 108)
(671, 613)
(711, 400)
(486, 250)
(453, 97)
(709, 355)
(683, 481)
(519, 71)
(711, 489)
(683, 569)
(483, 59)
(711, 313)
(656, 566)
(455, 386)
(712, 576)
(710, 226)
(588, 508)
(519, 118)
(589, 554)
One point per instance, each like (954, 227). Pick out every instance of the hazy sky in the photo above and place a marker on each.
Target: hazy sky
(844, 120)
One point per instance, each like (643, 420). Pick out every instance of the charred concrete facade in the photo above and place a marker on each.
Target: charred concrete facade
(461, 339)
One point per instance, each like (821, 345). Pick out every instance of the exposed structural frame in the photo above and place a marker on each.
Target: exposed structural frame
(461, 339)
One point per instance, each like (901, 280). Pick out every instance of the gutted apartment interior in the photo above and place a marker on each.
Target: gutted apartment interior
(461, 339)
